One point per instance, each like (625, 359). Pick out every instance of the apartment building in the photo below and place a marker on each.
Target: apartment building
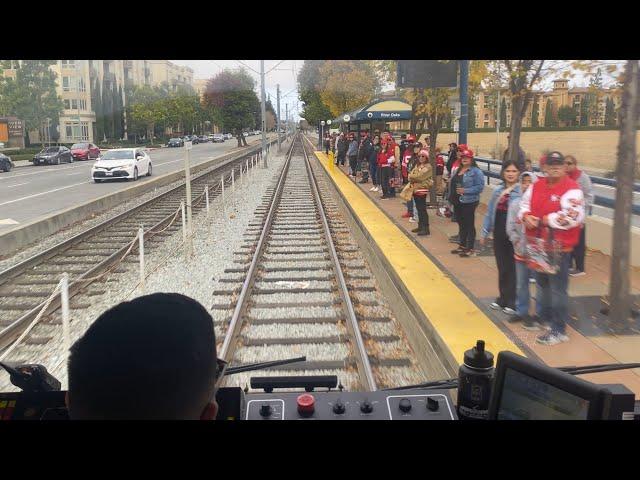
(561, 95)
(77, 78)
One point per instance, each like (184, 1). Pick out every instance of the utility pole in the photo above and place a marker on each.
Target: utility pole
(278, 119)
(264, 135)
(464, 101)
(286, 109)
(498, 119)
(187, 176)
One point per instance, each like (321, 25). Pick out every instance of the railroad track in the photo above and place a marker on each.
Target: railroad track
(25, 287)
(300, 287)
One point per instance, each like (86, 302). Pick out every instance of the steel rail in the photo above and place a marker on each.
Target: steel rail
(226, 351)
(362, 359)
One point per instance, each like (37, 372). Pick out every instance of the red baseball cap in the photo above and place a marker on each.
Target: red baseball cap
(466, 153)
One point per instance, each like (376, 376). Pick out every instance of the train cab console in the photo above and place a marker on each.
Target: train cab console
(521, 389)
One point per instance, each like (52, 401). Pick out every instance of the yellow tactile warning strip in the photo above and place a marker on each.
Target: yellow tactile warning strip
(458, 321)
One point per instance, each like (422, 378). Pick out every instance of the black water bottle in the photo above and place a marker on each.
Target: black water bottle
(474, 383)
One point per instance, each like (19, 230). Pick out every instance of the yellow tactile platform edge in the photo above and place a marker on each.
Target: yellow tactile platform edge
(458, 321)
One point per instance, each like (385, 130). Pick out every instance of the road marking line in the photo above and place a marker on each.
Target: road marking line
(8, 221)
(79, 173)
(17, 185)
(39, 172)
(42, 193)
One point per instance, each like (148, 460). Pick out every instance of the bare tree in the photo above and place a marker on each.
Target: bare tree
(619, 287)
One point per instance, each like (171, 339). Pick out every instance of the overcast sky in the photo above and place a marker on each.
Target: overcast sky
(284, 74)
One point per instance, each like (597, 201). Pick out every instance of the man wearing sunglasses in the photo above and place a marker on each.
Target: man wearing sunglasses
(153, 358)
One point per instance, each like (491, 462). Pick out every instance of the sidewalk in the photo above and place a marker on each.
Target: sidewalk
(591, 342)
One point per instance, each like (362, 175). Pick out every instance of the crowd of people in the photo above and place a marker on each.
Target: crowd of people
(535, 218)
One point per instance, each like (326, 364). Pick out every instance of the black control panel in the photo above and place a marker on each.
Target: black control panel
(381, 405)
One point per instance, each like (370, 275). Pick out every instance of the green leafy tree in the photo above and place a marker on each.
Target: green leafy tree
(96, 104)
(549, 119)
(232, 93)
(535, 112)
(595, 96)
(567, 115)
(609, 113)
(314, 109)
(585, 109)
(31, 96)
(147, 108)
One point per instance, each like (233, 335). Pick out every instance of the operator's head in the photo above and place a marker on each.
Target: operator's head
(151, 358)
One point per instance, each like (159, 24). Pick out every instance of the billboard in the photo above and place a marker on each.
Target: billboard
(427, 74)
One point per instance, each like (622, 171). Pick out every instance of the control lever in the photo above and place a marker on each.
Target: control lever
(32, 377)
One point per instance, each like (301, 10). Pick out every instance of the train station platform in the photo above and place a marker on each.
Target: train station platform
(454, 293)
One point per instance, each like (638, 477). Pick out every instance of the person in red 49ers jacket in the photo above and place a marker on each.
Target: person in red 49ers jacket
(555, 203)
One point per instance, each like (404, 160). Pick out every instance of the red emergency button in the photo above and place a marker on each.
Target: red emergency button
(306, 405)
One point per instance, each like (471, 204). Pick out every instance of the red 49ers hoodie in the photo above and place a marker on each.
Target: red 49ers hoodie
(563, 203)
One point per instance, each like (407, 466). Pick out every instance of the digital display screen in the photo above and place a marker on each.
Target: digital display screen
(527, 398)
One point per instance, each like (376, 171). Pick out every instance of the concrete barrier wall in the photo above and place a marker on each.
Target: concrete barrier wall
(29, 233)
(599, 232)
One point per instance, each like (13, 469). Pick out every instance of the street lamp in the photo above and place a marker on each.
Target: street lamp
(321, 133)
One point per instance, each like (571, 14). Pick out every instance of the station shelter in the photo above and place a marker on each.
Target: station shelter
(386, 114)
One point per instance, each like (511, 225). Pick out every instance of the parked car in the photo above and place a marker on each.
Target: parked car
(175, 142)
(53, 155)
(218, 138)
(1, 144)
(203, 139)
(5, 163)
(228, 136)
(122, 163)
(245, 134)
(84, 151)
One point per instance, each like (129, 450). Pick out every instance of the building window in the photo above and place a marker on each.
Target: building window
(486, 116)
(67, 104)
(68, 63)
(65, 84)
(81, 86)
(77, 131)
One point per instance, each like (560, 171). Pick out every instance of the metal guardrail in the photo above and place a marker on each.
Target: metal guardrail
(598, 199)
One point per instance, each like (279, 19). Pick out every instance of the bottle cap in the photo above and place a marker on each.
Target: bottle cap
(478, 357)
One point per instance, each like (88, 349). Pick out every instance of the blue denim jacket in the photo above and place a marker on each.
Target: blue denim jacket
(490, 216)
(473, 184)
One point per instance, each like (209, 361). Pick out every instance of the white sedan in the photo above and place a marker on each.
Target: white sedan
(122, 163)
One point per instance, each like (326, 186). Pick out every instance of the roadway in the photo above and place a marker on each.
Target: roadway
(31, 192)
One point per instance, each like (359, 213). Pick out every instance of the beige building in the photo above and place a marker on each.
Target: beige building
(200, 85)
(75, 79)
(561, 95)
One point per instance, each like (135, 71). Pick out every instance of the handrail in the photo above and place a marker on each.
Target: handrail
(609, 182)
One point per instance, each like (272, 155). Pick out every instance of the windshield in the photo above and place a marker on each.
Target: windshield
(118, 155)
(79, 146)
(174, 139)
(51, 150)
